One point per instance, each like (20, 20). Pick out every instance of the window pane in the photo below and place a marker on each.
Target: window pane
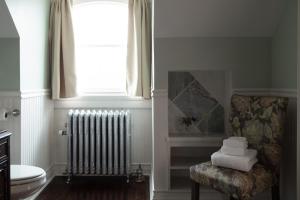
(101, 69)
(101, 38)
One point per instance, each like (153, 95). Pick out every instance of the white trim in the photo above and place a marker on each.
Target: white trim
(50, 174)
(292, 93)
(103, 102)
(246, 91)
(160, 93)
(91, 1)
(34, 93)
(251, 91)
(25, 93)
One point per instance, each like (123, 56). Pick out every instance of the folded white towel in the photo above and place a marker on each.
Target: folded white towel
(242, 163)
(238, 142)
(234, 151)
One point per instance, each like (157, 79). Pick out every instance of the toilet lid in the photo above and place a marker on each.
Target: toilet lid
(21, 172)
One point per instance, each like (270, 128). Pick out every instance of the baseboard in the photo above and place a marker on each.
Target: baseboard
(50, 172)
(50, 175)
(60, 168)
(185, 195)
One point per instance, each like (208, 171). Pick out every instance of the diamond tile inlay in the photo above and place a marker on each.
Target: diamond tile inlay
(199, 107)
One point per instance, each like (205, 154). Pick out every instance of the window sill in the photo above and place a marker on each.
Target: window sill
(101, 101)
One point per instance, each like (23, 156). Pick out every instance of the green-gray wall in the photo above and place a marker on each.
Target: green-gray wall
(9, 64)
(31, 19)
(284, 49)
(9, 51)
(249, 59)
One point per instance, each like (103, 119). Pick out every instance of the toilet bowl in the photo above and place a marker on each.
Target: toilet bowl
(26, 180)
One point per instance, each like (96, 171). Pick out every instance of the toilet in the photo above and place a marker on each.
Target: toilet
(26, 180)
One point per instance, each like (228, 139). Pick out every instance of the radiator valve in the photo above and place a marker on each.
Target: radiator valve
(62, 132)
(139, 175)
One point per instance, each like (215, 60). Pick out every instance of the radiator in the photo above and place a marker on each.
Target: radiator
(98, 142)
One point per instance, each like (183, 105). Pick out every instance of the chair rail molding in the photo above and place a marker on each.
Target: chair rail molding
(284, 92)
(25, 93)
(34, 93)
(159, 93)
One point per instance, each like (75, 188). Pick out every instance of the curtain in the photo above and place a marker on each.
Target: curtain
(62, 50)
(139, 49)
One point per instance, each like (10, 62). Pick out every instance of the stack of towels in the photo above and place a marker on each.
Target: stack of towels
(235, 154)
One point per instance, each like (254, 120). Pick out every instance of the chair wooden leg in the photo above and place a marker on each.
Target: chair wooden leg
(275, 192)
(195, 190)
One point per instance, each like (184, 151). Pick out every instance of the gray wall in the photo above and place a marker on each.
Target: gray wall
(9, 51)
(289, 157)
(284, 49)
(249, 59)
(8, 29)
(31, 19)
(9, 64)
(284, 75)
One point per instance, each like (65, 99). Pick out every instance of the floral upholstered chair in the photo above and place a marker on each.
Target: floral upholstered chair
(261, 120)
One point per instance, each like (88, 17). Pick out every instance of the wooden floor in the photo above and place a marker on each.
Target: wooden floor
(94, 188)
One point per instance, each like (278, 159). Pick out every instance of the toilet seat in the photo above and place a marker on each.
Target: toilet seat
(26, 180)
(24, 172)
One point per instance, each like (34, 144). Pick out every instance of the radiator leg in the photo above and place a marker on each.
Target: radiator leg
(128, 179)
(68, 179)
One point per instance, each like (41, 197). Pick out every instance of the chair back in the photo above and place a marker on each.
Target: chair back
(261, 119)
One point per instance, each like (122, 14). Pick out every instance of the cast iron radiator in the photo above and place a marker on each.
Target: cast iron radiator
(98, 143)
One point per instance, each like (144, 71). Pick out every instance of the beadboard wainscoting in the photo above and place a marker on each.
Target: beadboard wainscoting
(141, 126)
(36, 129)
(11, 101)
(32, 130)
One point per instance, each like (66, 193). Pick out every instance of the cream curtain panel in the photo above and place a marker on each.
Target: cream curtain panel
(139, 49)
(62, 50)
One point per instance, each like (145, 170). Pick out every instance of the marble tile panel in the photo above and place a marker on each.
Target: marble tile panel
(178, 81)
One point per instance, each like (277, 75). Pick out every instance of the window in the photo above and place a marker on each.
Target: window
(100, 29)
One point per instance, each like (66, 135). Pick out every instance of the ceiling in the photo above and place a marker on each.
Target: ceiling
(217, 18)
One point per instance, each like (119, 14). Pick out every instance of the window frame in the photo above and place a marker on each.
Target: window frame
(110, 95)
(75, 2)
